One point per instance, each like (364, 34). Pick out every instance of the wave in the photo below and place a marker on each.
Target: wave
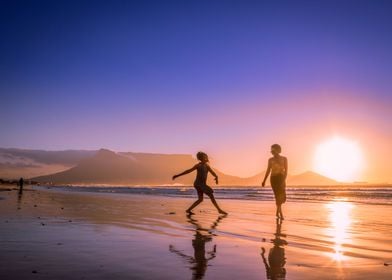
(361, 195)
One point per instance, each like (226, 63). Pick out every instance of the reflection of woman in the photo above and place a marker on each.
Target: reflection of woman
(200, 258)
(277, 166)
(276, 257)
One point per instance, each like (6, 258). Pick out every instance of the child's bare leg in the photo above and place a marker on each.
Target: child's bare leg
(211, 196)
(197, 202)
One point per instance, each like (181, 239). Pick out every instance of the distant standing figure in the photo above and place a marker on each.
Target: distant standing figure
(277, 166)
(200, 183)
(21, 183)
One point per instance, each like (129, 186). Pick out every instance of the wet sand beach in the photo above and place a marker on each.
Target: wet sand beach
(56, 234)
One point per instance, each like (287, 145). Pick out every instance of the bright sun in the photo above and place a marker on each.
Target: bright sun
(339, 158)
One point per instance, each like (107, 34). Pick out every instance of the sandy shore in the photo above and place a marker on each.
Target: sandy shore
(53, 234)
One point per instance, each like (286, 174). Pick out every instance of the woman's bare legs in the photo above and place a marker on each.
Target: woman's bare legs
(279, 213)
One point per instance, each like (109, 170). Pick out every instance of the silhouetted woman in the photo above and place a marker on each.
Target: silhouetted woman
(200, 183)
(277, 166)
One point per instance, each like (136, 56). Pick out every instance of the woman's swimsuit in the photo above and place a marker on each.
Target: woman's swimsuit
(277, 179)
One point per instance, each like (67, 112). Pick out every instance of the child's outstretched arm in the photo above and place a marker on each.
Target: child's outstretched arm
(213, 174)
(185, 172)
(266, 173)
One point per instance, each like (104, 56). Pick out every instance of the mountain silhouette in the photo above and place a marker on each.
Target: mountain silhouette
(123, 168)
(310, 178)
(108, 167)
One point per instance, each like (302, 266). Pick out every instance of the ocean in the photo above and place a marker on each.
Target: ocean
(370, 194)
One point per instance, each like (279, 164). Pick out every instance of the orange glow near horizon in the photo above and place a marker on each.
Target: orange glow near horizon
(340, 159)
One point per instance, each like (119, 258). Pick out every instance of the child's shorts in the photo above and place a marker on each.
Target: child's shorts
(203, 189)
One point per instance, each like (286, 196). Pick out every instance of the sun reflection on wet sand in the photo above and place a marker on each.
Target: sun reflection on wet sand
(340, 219)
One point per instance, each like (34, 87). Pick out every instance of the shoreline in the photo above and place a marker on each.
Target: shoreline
(373, 196)
(177, 185)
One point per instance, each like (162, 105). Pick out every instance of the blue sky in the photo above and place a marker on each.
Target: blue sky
(179, 76)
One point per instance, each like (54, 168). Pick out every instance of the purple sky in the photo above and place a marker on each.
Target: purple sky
(228, 77)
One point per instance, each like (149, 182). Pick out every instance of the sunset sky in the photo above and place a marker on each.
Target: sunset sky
(226, 77)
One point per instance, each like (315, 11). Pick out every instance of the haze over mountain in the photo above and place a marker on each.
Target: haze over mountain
(15, 163)
(127, 168)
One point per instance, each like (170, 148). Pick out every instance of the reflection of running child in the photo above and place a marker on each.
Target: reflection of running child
(200, 183)
(201, 257)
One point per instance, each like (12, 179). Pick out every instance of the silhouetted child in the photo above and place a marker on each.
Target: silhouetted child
(277, 166)
(200, 183)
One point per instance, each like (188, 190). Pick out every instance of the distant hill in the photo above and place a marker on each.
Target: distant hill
(107, 167)
(309, 178)
(123, 168)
